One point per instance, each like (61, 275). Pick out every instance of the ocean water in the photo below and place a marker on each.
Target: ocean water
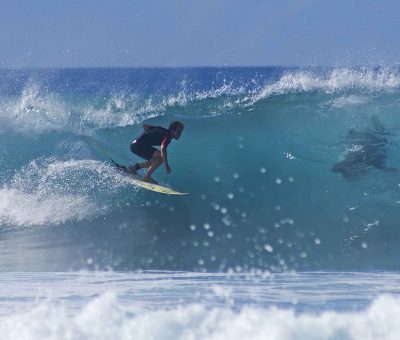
(290, 229)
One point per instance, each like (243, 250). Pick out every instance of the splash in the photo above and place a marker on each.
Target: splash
(53, 192)
(336, 80)
(35, 111)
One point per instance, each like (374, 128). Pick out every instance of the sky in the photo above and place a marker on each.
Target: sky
(172, 33)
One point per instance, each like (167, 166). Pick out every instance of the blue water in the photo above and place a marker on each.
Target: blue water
(256, 158)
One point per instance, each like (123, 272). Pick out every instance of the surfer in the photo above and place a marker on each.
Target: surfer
(143, 146)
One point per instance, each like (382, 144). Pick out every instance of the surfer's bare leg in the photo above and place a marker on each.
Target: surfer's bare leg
(153, 165)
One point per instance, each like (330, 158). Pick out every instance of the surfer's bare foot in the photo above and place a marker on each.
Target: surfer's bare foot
(149, 180)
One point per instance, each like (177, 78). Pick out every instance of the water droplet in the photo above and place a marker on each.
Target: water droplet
(278, 181)
(268, 248)
(230, 196)
(287, 221)
(192, 227)
(263, 170)
(215, 206)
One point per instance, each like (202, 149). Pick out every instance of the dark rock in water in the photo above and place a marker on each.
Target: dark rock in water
(367, 149)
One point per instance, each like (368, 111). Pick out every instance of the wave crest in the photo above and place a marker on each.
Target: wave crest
(336, 80)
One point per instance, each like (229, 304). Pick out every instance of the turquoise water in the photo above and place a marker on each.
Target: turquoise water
(290, 228)
(256, 157)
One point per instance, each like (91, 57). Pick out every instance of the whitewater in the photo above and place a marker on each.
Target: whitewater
(289, 231)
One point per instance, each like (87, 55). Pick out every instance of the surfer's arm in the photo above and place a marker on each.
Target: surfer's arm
(165, 157)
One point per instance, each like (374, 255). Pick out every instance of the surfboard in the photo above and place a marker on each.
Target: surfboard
(134, 179)
(137, 180)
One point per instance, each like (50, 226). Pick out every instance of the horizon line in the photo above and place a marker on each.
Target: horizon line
(192, 67)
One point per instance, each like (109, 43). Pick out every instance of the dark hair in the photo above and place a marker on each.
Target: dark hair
(175, 125)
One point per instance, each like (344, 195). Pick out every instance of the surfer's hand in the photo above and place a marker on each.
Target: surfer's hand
(167, 169)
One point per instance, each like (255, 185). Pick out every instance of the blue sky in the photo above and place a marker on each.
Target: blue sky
(124, 33)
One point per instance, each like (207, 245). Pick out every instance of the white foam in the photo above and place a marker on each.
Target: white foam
(22, 209)
(53, 192)
(336, 80)
(107, 318)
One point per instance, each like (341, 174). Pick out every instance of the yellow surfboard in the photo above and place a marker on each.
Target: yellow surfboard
(137, 180)
(134, 179)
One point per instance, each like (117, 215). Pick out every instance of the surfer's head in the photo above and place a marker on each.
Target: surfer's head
(176, 128)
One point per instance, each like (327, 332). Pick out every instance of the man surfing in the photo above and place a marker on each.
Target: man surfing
(143, 146)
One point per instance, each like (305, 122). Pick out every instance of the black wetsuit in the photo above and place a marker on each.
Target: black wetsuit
(143, 146)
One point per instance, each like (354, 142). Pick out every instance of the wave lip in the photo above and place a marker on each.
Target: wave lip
(338, 79)
(36, 109)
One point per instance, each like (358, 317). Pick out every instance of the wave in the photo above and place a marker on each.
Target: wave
(37, 109)
(256, 157)
(107, 318)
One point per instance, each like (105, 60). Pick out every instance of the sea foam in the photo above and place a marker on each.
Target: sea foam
(53, 192)
(105, 317)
